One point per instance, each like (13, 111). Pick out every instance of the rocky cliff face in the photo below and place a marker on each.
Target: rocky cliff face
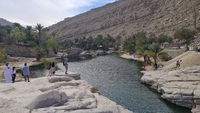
(4, 22)
(125, 17)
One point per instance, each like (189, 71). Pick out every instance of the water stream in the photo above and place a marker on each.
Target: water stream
(119, 80)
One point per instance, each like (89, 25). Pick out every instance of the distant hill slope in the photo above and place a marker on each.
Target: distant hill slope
(125, 17)
(4, 22)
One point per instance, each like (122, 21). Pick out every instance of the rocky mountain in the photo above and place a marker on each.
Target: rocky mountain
(126, 17)
(4, 22)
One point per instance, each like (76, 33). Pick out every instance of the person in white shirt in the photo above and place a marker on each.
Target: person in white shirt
(13, 74)
(8, 73)
(179, 63)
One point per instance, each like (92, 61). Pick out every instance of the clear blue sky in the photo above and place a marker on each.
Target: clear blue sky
(46, 12)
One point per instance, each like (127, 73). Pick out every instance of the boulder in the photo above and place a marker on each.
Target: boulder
(74, 52)
(45, 100)
(75, 76)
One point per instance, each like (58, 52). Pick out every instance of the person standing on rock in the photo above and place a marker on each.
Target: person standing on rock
(8, 73)
(66, 66)
(25, 71)
(144, 65)
(53, 68)
(50, 71)
(13, 74)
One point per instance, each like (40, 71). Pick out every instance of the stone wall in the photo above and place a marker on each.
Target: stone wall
(125, 17)
(22, 51)
(18, 50)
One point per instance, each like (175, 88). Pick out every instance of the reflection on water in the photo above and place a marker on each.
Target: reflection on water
(119, 80)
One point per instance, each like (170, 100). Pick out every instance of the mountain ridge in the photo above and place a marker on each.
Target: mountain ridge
(4, 22)
(126, 17)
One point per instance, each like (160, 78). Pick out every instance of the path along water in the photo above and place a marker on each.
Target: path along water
(119, 80)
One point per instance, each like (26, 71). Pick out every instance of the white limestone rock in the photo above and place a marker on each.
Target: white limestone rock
(57, 94)
(180, 86)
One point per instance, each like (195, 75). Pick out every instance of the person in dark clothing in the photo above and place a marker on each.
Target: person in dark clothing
(53, 67)
(50, 71)
(156, 66)
(13, 74)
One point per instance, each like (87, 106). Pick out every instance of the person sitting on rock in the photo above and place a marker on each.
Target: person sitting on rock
(25, 71)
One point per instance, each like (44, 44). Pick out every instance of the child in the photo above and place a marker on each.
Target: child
(13, 74)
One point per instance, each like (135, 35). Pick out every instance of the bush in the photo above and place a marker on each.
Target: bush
(3, 56)
(55, 51)
(116, 48)
(46, 62)
(166, 58)
(94, 89)
(32, 43)
(9, 40)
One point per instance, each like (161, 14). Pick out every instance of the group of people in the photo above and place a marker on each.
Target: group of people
(10, 74)
(52, 69)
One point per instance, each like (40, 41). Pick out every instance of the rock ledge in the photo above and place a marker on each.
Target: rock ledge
(180, 86)
(57, 94)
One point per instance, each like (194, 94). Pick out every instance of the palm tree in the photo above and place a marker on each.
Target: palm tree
(143, 50)
(39, 28)
(29, 29)
(38, 52)
(53, 35)
(155, 51)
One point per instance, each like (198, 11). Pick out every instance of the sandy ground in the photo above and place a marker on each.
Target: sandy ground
(18, 64)
(127, 56)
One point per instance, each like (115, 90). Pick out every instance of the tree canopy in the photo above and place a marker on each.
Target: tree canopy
(185, 36)
(17, 34)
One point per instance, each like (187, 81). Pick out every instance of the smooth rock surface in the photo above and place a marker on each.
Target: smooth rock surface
(180, 86)
(65, 93)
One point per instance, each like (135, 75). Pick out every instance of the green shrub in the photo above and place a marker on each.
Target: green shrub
(55, 51)
(32, 43)
(166, 58)
(46, 62)
(9, 40)
(94, 89)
